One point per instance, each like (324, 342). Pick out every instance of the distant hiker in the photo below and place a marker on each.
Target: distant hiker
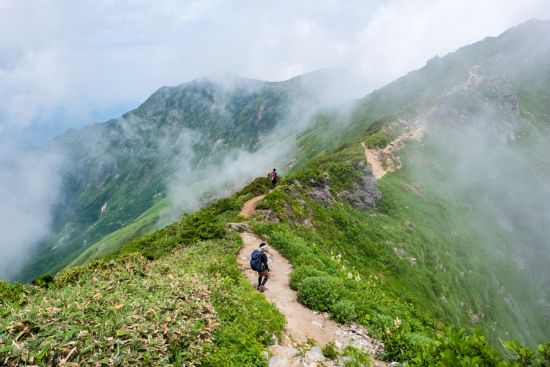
(273, 176)
(258, 262)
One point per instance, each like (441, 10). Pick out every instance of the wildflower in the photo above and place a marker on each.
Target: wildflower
(397, 322)
(350, 275)
(357, 277)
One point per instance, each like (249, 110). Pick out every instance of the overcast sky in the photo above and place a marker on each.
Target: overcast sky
(67, 63)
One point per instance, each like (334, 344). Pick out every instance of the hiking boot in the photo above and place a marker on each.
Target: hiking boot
(261, 288)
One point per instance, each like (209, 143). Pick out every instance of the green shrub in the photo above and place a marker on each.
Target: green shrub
(44, 281)
(378, 140)
(330, 351)
(456, 347)
(523, 356)
(10, 293)
(260, 185)
(302, 272)
(354, 357)
(320, 293)
(344, 311)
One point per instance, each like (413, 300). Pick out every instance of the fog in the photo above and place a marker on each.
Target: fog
(505, 181)
(62, 65)
(30, 188)
(191, 186)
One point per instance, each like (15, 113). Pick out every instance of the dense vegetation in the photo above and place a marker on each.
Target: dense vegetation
(173, 297)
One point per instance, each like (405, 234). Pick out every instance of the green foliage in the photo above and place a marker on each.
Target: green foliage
(302, 272)
(205, 224)
(344, 311)
(354, 357)
(320, 293)
(132, 312)
(44, 281)
(10, 293)
(125, 310)
(330, 351)
(258, 186)
(456, 347)
(378, 140)
(153, 302)
(247, 322)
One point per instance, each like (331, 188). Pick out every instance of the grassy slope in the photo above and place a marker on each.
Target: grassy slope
(177, 296)
(174, 296)
(145, 223)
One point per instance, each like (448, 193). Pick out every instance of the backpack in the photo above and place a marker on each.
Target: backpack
(273, 175)
(256, 261)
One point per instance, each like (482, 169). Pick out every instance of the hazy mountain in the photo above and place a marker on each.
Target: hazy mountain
(178, 139)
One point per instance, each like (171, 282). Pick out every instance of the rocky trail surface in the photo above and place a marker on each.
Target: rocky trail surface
(385, 160)
(304, 327)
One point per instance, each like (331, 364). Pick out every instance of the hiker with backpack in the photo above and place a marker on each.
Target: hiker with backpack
(273, 176)
(258, 262)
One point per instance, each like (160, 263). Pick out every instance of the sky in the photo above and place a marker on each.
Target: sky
(67, 63)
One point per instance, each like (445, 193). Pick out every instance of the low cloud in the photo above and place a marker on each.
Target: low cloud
(30, 187)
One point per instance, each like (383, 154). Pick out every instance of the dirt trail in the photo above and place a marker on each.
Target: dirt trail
(371, 154)
(250, 206)
(385, 160)
(302, 323)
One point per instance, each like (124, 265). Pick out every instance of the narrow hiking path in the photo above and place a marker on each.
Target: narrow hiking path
(303, 324)
(386, 160)
(250, 206)
(372, 159)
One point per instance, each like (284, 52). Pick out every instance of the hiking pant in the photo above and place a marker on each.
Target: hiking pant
(273, 183)
(262, 274)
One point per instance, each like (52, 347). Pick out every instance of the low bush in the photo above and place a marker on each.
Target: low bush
(330, 351)
(320, 293)
(344, 311)
(302, 272)
(44, 281)
(378, 140)
(10, 293)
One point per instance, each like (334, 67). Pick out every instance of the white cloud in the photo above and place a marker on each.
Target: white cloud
(97, 54)
(403, 34)
(30, 188)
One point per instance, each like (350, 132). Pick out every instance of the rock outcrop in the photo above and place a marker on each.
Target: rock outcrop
(364, 193)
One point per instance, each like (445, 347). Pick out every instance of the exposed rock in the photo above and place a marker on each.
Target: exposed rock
(278, 361)
(238, 227)
(364, 193)
(315, 354)
(267, 215)
(322, 193)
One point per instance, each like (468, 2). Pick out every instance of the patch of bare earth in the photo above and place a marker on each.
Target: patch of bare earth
(303, 325)
(385, 160)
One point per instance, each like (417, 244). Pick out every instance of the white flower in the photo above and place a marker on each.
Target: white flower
(397, 322)
(350, 275)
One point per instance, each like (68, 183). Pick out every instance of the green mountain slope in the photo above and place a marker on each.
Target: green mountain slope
(175, 144)
(453, 234)
(469, 198)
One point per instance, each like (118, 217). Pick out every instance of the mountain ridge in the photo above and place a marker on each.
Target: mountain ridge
(443, 246)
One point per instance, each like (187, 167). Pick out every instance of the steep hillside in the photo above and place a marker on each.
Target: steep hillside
(451, 229)
(470, 193)
(175, 144)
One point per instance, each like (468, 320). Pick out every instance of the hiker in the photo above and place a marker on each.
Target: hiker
(273, 176)
(258, 262)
